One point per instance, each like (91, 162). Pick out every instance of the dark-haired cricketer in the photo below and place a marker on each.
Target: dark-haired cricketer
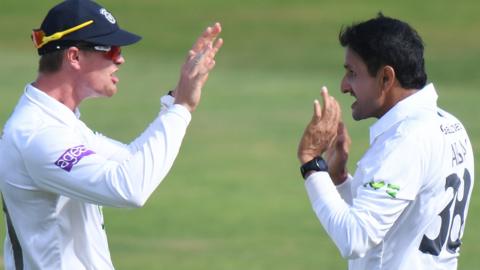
(406, 205)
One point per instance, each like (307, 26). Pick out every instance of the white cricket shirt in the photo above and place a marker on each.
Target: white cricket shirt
(56, 173)
(406, 206)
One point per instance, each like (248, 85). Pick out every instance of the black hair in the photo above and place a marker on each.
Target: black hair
(386, 41)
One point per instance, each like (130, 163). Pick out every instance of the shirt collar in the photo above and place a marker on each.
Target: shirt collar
(426, 98)
(51, 105)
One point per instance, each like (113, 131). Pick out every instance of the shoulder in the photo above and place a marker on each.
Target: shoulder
(410, 134)
(449, 124)
(29, 126)
(402, 152)
(23, 122)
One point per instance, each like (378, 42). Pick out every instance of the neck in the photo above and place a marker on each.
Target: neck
(59, 87)
(394, 96)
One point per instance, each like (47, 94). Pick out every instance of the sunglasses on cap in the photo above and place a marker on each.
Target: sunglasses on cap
(110, 52)
(39, 39)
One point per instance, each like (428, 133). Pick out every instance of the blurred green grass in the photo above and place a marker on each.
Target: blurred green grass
(234, 198)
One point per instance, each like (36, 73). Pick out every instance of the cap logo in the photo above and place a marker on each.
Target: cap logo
(108, 15)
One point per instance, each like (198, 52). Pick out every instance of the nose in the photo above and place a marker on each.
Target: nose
(345, 87)
(119, 60)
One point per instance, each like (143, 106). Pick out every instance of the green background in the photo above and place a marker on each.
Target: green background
(234, 198)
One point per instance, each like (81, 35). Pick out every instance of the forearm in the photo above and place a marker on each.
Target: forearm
(102, 177)
(152, 155)
(345, 190)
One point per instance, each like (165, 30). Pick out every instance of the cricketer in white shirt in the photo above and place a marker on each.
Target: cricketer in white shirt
(407, 203)
(56, 174)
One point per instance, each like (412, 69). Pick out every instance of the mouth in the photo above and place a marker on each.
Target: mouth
(115, 79)
(355, 102)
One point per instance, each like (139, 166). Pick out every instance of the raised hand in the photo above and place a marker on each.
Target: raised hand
(195, 70)
(322, 129)
(337, 155)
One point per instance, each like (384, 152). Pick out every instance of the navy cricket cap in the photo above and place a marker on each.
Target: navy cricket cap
(74, 21)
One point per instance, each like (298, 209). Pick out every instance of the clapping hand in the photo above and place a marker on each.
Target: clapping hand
(194, 73)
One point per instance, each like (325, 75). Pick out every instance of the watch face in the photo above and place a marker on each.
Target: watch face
(321, 164)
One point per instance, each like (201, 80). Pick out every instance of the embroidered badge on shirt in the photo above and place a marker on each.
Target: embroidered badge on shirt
(391, 189)
(72, 156)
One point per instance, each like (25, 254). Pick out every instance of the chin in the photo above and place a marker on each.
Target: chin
(111, 92)
(357, 117)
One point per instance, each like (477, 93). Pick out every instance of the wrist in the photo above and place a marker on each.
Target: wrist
(305, 158)
(317, 164)
(186, 105)
(338, 179)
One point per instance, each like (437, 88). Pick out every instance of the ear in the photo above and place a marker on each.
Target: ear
(387, 77)
(72, 56)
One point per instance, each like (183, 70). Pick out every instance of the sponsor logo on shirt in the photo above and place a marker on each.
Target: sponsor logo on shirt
(451, 128)
(72, 156)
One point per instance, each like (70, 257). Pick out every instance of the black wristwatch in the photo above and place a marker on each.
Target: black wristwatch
(317, 164)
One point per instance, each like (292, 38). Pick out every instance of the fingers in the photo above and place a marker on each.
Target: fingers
(212, 31)
(340, 135)
(336, 111)
(317, 110)
(201, 58)
(211, 51)
(206, 40)
(191, 54)
(207, 37)
(199, 62)
(341, 129)
(325, 96)
(320, 133)
(328, 103)
(331, 112)
(347, 140)
(343, 139)
(218, 44)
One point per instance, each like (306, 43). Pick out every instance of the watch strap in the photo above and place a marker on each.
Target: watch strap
(317, 164)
